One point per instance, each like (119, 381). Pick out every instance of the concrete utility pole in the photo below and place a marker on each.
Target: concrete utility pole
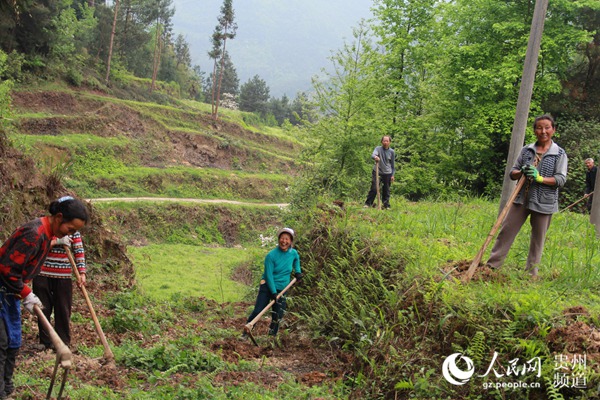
(524, 100)
(595, 211)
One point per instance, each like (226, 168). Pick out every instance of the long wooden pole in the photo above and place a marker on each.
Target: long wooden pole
(377, 183)
(577, 202)
(108, 354)
(525, 91)
(490, 235)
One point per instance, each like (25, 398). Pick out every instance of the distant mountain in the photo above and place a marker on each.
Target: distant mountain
(285, 42)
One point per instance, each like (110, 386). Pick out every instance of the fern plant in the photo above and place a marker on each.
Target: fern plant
(552, 391)
(477, 348)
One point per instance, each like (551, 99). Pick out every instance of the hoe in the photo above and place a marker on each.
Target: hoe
(63, 354)
(499, 220)
(108, 354)
(250, 325)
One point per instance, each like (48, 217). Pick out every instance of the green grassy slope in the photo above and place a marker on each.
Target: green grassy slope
(104, 146)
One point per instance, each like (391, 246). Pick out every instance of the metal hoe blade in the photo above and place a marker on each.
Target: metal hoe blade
(62, 385)
(63, 354)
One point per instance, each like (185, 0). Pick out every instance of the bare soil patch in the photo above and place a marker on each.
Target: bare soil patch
(458, 269)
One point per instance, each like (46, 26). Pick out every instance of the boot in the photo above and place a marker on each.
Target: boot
(9, 369)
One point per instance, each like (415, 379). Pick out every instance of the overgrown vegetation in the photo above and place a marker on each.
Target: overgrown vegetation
(387, 286)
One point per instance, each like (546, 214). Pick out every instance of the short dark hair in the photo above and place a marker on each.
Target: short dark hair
(70, 209)
(542, 117)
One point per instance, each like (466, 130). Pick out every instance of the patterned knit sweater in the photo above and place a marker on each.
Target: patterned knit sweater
(22, 255)
(57, 264)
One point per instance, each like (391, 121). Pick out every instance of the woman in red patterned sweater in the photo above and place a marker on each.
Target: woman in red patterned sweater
(21, 258)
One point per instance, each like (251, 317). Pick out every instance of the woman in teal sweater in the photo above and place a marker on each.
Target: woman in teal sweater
(279, 264)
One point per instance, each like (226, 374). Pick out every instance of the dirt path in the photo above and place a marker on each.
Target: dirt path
(186, 200)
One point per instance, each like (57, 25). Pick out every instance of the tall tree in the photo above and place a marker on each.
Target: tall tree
(254, 95)
(214, 54)
(163, 15)
(349, 124)
(280, 109)
(24, 25)
(182, 52)
(404, 32)
(228, 29)
(112, 40)
(135, 33)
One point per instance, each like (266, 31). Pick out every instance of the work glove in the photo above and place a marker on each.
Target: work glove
(273, 296)
(65, 240)
(533, 173)
(30, 300)
(298, 276)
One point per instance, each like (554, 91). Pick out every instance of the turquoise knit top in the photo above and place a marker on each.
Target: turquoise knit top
(278, 268)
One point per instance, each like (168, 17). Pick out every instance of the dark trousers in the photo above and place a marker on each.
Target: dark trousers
(10, 340)
(277, 310)
(8, 358)
(385, 180)
(56, 295)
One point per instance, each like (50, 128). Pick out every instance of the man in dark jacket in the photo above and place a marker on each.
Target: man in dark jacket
(590, 181)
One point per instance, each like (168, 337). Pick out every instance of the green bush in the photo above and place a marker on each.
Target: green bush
(74, 77)
(167, 357)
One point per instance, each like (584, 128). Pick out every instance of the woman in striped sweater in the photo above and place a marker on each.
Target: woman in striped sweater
(54, 286)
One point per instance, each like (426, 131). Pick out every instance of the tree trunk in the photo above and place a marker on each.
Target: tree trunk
(112, 39)
(126, 26)
(216, 114)
(213, 88)
(221, 72)
(156, 56)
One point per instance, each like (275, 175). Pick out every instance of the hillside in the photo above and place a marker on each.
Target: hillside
(123, 148)
(173, 280)
(99, 145)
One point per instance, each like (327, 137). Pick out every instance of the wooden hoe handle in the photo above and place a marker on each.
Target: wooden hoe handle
(63, 354)
(248, 327)
(490, 236)
(108, 354)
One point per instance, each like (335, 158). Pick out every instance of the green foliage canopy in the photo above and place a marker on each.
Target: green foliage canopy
(443, 81)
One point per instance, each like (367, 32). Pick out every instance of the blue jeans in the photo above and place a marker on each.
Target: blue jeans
(10, 339)
(277, 311)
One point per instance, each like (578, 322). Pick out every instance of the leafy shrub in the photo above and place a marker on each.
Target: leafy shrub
(14, 67)
(132, 313)
(167, 357)
(252, 119)
(74, 77)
